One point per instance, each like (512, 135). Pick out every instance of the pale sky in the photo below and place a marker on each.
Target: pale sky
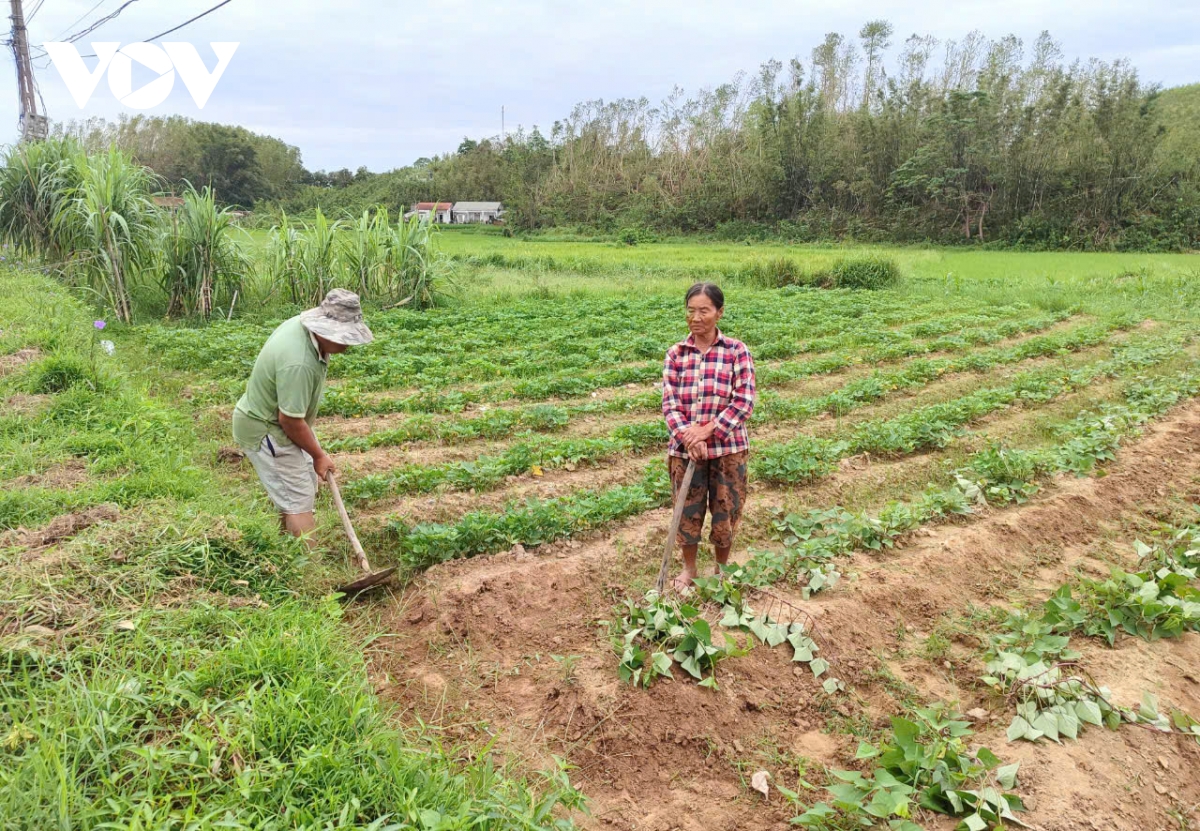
(381, 82)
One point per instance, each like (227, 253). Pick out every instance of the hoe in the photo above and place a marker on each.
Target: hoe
(369, 578)
(676, 515)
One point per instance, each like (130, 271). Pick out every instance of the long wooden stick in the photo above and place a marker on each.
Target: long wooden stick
(354, 543)
(676, 515)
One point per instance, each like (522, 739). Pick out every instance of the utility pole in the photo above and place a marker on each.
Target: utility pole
(33, 126)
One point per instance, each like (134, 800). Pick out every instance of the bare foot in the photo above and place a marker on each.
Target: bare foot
(683, 583)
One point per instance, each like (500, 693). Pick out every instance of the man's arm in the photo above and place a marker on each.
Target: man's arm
(302, 436)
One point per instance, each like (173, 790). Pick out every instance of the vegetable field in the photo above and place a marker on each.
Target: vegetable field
(964, 594)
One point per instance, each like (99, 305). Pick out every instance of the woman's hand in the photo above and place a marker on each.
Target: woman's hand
(697, 433)
(698, 452)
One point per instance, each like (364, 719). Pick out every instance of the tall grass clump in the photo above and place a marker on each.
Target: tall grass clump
(34, 181)
(774, 273)
(420, 273)
(874, 271)
(367, 252)
(282, 266)
(106, 223)
(320, 261)
(389, 265)
(201, 261)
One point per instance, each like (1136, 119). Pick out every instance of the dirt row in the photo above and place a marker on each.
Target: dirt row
(472, 645)
(344, 427)
(449, 506)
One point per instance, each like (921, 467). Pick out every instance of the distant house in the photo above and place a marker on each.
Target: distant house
(169, 203)
(440, 210)
(464, 212)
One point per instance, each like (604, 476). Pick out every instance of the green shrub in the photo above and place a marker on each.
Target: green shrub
(871, 272)
(634, 235)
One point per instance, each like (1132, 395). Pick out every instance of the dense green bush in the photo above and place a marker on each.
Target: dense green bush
(873, 272)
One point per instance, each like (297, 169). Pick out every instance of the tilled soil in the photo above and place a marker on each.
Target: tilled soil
(473, 644)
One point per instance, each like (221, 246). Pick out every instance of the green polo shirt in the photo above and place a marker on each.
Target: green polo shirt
(288, 377)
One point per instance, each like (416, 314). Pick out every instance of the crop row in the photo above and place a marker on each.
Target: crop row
(1084, 442)
(486, 472)
(812, 455)
(443, 346)
(347, 401)
(926, 428)
(925, 761)
(994, 476)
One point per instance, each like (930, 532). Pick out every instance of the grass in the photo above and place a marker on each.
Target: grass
(179, 666)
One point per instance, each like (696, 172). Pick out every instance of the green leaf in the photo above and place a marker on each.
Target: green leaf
(759, 628)
(987, 758)
(1018, 729)
(846, 794)
(1007, 776)
(866, 751)
(1048, 724)
(691, 667)
(886, 804)
(1089, 712)
(905, 735)
(818, 666)
(1068, 724)
(975, 822)
(804, 655)
(732, 619)
(1149, 708)
(776, 634)
(710, 682)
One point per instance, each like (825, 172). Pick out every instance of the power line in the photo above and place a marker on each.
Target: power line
(186, 22)
(177, 28)
(33, 13)
(78, 20)
(100, 22)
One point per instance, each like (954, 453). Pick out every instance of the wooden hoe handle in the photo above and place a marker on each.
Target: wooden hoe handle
(676, 516)
(341, 507)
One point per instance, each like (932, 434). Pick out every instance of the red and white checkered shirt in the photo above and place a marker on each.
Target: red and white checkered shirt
(716, 385)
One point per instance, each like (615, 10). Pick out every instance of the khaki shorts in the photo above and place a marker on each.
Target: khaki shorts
(718, 487)
(287, 473)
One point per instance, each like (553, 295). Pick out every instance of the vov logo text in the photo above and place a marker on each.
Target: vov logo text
(166, 60)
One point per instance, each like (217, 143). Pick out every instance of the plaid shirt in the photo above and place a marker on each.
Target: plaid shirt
(699, 388)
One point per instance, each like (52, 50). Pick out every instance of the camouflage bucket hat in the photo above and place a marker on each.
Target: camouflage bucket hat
(339, 318)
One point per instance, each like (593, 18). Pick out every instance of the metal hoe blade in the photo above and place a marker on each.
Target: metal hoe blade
(367, 581)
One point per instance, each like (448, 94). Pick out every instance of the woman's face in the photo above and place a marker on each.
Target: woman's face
(702, 315)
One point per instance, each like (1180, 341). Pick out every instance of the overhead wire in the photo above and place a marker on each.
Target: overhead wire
(33, 13)
(100, 22)
(78, 20)
(128, 3)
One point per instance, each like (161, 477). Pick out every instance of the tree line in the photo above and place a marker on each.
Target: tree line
(974, 140)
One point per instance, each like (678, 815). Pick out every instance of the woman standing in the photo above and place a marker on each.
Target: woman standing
(708, 394)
